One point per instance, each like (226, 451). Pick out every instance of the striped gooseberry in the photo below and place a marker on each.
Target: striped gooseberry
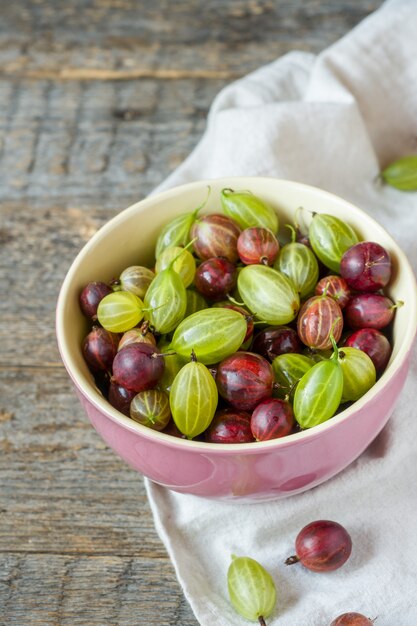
(248, 210)
(358, 371)
(298, 263)
(334, 287)
(182, 261)
(193, 399)
(330, 237)
(166, 300)
(268, 294)
(319, 392)
(213, 334)
(151, 408)
(120, 311)
(136, 279)
(215, 235)
(244, 379)
(251, 589)
(257, 245)
(318, 318)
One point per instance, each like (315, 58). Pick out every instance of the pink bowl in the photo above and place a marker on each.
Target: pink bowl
(253, 471)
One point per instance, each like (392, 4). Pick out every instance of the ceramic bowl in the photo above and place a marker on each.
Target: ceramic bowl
(244, 472)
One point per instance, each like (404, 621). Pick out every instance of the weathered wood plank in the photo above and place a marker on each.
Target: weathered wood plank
(105, 39)
(99, 139)
(63, 491)
(54, 590)
(38, 242)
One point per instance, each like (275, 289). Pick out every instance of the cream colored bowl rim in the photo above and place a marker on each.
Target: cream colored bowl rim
(93, 395)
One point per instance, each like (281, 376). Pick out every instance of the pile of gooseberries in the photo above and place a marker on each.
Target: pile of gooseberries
(236, 336)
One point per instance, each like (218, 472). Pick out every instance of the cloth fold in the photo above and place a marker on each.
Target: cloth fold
(333, 121)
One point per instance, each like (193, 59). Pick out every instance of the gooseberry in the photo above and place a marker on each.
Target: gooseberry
(335, 287)
(370, 310)
(91, 296)
(229, 426)
(322, 546)
(352, 619)
(257, 245)
(100, 348)
(138, 367)
(271, 419)
(366, 266)
(374, 343)
(244, 379)
(215, 278)
(215, 235)
(251, 589)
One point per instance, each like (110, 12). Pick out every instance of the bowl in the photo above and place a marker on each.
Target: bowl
(243, 472)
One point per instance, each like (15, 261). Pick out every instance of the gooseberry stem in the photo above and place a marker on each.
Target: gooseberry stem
(335, 354)
(203, 204)
(292, 560)
(326, 289)
(229, 297)
(262, 621)
(397, 305)
(293, 231)
(144, 329)
(190, 243)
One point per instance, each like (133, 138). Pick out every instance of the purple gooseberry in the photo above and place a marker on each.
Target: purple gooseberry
(366, 266)
(322, 546)
(230, 426)
(244, 379)
(138, 367)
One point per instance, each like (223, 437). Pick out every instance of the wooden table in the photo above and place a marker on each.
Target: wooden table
(99, 101)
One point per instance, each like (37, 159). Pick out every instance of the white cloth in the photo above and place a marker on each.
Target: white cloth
(333, 121)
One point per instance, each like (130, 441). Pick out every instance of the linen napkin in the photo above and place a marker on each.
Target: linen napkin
(332, 120)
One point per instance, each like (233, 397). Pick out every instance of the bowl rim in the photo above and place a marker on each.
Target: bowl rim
(94, 397)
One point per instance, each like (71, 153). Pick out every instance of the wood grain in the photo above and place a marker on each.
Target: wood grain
(128, 40)
(47, 590)
(99, 101)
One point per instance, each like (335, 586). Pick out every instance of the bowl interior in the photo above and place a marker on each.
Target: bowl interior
(129, 239)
